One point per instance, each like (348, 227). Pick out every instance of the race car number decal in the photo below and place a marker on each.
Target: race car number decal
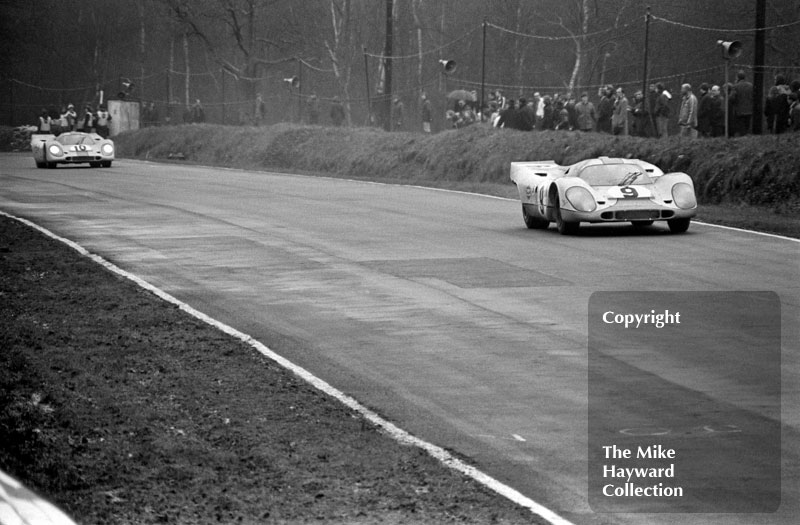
(628, 192)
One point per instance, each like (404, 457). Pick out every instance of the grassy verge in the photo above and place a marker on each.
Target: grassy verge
(751, 182)
(123, 409)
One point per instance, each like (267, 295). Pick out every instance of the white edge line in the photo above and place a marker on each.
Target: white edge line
(431, 188)
(398, 434)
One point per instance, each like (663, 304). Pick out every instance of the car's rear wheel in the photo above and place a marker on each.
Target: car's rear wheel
(564, 227)
(534, 223)
(641, 224)
(678, 225)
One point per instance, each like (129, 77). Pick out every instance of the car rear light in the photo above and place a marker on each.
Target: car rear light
(55, 150)
(108, 149)
(581, 199)
(683, 194)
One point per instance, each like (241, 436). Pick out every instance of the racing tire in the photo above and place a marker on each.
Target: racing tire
(106, 163)
(564, 227)
(641, 224)
(534, 223)
(50, 165)
(41, 164)
(95, 164)
(678, 225)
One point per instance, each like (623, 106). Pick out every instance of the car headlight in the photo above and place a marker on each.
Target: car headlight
(108, 149)
(581, 199)
(55, 150)
(683, 195)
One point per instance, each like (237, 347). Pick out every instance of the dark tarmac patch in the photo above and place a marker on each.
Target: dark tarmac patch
(478, 272)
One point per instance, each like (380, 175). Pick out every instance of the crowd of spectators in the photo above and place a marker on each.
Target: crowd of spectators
(53, 122)
(697, 114)
(693, 112)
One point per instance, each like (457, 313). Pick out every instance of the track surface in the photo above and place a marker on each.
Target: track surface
(440, 310)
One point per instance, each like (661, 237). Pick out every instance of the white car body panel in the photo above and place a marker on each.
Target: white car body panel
(542, 188)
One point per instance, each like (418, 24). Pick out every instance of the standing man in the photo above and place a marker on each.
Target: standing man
(198, 113)
(102, 120)
(585, 114)
(398, 110)
(427, 113)
(704, 111)
(260, 112)
(716, 112)
(687, 117)
(742, 101)
(619, 119)
(662, 112)
(605, 110)
(337, 112)
(640, 115)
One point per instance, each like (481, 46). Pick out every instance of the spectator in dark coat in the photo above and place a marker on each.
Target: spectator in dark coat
(742, 100)
(716, 112)
(704, 111)
(585, 114)
(509, 116)
(526, 116)
(337, 112)
(780, 105)
(605, 110)
(794, 111)
(639, 126)
(427, 113)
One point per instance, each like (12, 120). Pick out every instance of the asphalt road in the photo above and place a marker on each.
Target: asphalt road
(443, 313)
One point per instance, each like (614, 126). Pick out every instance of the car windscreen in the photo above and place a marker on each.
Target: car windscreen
(614, 175)
(71, 139)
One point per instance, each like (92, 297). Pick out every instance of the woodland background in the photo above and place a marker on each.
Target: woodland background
(225, 52)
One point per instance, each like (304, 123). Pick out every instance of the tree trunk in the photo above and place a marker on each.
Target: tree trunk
(187, 69)
(580, 40)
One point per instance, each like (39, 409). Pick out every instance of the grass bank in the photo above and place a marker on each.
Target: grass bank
(751, 182)
(121, 408)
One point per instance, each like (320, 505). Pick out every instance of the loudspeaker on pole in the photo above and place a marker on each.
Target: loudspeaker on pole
(448, 65)
(730, 49)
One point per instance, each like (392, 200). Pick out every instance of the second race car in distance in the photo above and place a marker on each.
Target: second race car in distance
(73, 147)
(603, 190)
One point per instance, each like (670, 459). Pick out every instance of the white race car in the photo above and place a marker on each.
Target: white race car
(603, 190)
(72, 147)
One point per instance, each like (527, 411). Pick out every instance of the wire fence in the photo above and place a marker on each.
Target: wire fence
(302, 90)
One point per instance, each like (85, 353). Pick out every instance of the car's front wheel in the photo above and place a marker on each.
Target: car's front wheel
(95, 164)
(678, 225)
(534, 223)
(106, 163)
(564, 227)
(641, 224)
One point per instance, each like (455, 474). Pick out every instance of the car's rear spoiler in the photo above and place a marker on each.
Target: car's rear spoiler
(41, 137)
(542, 168)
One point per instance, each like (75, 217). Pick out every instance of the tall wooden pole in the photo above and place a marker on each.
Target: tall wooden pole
(369, 92)
(758, 66)
(299, 91)
(483, 71)
(646, 52)
(727, 97)
(387, 68)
